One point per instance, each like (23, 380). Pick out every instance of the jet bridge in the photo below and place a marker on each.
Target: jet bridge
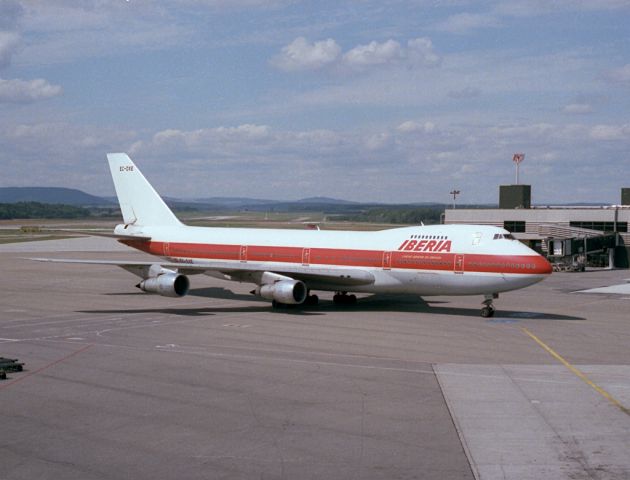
(574, 254)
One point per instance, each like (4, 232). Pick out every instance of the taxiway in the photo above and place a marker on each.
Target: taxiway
(123, 384)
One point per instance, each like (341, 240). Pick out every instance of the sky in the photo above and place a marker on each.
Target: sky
(381, 101)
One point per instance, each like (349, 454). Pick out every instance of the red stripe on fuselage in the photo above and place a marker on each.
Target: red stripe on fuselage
(522, 264)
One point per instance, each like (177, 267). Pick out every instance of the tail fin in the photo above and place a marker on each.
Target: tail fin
(139, 202)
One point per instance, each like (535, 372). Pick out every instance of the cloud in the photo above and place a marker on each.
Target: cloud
(241, 143)
(246, 131)
(66, 30)
(466, 92)
(365, 71)
(610, 132)
(379, 142)
(230, 5)
(413, 161)
(502, 78)
(27, 91)
(301, 55)
(17, 90)
(531, 8)
(420, 51)
(619, 75)
(414, 127)
(61, 141)
(211, 142)
(59, 154)
(578, 108)
(463, 23)
(373, 53)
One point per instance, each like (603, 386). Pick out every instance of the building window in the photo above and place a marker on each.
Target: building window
(601, 226)
(514, 226)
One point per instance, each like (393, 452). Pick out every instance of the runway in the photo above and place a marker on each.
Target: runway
(216, 385)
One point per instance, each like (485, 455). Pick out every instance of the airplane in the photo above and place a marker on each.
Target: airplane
(287, 265)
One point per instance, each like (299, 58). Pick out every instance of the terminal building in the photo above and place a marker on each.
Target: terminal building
(571, 237)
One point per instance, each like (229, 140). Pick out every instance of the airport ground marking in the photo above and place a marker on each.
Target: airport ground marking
(578, 372)
(45, 367)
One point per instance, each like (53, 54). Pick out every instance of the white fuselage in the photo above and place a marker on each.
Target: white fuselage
(426, 260)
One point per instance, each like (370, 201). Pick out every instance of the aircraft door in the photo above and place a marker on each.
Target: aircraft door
(387, 260)
(306, 256)
(166, 249)
(242, 255)
(458, 264)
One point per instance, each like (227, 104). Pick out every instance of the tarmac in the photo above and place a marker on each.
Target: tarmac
(120, 384)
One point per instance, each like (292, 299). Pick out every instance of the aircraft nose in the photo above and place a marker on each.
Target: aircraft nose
(542, 265)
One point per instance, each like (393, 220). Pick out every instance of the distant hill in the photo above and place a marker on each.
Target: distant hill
(55, 195)
(324, 201)
(237, 202)
(262, 205)
(234, 202)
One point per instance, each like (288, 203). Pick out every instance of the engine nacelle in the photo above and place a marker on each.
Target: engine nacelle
(291, 292)
(167, 285)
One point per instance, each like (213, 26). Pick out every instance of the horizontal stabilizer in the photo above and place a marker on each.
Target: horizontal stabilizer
(99, 233)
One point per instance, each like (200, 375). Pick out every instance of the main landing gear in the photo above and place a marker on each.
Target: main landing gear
(342, 298)
(310, 301)
(488, 309)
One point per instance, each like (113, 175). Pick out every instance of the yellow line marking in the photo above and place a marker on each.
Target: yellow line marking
(577, 372)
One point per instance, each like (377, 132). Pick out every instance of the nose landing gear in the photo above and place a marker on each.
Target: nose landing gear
(488, 309)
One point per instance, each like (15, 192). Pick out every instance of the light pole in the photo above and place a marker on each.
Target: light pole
(518, 158)
(454, 193)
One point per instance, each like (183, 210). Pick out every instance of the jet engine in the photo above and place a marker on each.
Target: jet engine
(291, 292)
(167, 284)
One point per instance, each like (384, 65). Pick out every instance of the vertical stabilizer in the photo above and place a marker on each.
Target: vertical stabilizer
(139, 202)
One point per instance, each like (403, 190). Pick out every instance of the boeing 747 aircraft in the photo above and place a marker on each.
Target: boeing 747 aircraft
(287, 265)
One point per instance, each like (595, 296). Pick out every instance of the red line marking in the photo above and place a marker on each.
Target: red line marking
(41, 369)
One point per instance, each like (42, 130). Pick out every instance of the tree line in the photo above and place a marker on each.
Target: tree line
(10, 211)
(397, 215)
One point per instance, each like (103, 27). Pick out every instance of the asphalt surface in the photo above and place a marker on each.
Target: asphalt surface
(122, 384)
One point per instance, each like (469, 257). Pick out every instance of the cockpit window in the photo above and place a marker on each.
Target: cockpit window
(507, 236)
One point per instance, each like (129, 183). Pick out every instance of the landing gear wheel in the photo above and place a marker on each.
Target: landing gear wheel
(311, 300)
(488, 309)
(343, 298)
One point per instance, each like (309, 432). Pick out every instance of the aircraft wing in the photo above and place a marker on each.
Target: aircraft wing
(314, 277)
